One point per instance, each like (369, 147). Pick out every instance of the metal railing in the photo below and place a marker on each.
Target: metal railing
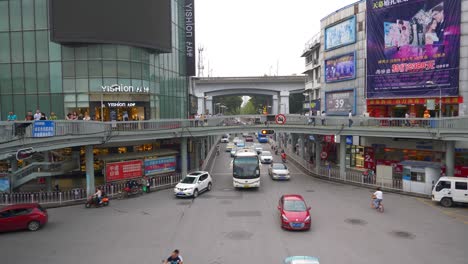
(17, 130)
(79, 194)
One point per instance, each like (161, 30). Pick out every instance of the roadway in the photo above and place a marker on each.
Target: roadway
(226, 226)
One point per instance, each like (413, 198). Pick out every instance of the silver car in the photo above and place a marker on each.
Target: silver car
(279, 171)
(258, 147)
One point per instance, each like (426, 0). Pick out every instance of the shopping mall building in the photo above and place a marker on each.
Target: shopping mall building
(103, 58)
(389, 59)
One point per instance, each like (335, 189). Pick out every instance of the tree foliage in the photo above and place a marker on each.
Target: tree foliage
(233, 103)
(249, 109)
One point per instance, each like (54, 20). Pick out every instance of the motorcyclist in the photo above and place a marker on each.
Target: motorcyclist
(217, 149)
(174, 258)
(98, 195)
(283, 155)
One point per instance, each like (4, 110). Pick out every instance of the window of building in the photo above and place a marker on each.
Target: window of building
(17, 47)
(4, 46)
(4, 18)
(5, 79)
(55, 77)
(42, 45)
(15, 15)
(17, 73)
(109, 69)
(41, 14)
(30, 78)
(29, 46)
(43, 82)
(28, 14)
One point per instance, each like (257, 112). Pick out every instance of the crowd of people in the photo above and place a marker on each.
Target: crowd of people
(39, 115)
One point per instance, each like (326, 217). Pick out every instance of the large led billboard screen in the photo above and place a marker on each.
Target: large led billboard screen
(140, 23)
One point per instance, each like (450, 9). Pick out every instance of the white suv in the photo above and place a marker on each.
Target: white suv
(193, 184)
(225, 138)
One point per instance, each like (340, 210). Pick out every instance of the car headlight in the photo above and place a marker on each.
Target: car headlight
(285, 218)
(307, 219)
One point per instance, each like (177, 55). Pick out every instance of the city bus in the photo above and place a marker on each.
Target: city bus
(262, 138)
(246, 169)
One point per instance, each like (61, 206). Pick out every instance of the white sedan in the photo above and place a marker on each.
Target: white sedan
(278, 171)
(193, 184)
(266, 157)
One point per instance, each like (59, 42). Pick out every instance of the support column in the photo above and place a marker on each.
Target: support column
(196, 151)
(48, 179)
(450, 158)
(208, 105)
(183, 156)
(89, 160)
(342, 157)
(14, 165)
(301, 146)
(318, 151)
(275, 105)
(284, 102)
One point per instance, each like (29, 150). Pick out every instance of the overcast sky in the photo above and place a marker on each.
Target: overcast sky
(249, 37)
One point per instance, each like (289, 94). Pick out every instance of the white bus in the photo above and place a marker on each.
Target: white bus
(246, 169)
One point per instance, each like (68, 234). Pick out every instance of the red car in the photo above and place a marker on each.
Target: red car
(29, 216)
(249, 139)
(294, 213)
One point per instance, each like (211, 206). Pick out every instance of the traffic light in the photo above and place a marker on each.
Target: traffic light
(267, 132)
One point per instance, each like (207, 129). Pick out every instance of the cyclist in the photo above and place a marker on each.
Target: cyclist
(174, 258)
(377, 198)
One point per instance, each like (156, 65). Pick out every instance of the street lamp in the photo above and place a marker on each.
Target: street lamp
(440, 96)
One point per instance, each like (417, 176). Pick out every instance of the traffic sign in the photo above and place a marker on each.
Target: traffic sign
(323, 154)
(280, 119)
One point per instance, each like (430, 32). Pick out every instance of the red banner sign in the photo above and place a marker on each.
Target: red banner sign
(118, 171)
(405, 101)
(329, 138)
(369, 161)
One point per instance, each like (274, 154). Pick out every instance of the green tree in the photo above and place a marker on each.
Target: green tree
(260, 101)
(233, 103)
(249, 109)
(296, 103)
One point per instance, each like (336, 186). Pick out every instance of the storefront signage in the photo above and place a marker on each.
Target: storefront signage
(340, 102)
(349, 140)
(160, 165)
(340, 68)
(120, 88)
(120, 104)
(329, 138)
(118, 171)
(314, 105)
(410, 101)
(341, 34)
(43, 128)
(413, 48)
(190, 37)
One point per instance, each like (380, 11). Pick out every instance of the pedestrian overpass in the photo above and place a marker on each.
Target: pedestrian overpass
(277, 87)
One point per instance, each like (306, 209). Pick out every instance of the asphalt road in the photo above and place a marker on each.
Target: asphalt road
(230, 227)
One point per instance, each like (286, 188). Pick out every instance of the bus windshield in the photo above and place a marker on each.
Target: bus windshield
(246, 167)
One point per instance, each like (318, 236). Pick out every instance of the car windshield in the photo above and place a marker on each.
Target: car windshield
(279, 166)
(189, 180)
(266, 153)
(294, 206)
(245, 166)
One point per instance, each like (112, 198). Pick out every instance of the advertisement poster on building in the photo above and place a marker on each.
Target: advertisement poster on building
(340, 102)
(341, 34)
(340, 68)
(413, 48)
(369, 161)
(190, 37)
(118, 171)
(160, 165)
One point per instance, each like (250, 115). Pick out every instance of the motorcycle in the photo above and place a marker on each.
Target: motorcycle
(283, 157)
(94, 201)
(127, 191)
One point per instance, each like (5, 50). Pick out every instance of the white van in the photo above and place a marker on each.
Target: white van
(449, 190)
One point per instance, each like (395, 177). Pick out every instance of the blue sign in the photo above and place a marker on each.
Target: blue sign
(349, 140)
(4, 184)
(44, 128)
(311, 138)
(341, 34)
(160, 165)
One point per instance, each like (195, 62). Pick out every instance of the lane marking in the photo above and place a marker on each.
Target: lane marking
(454, 215)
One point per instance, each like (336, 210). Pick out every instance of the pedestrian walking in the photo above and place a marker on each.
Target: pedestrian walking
(350, 118)
(37, 115)
(407, 122)
(11, 116)
(323, 117)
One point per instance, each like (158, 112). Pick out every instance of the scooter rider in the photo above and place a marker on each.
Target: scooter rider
(98, 195)
(283, 155)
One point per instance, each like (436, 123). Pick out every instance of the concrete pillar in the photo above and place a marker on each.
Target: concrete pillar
(14, 165)
(301, 146)
(48, 180)
(183, 156)
(342, 157)
(209, 104)
(275, 105)
(284, 102)
(196, 151)
(89, 161)
(203, 148)
(318, 151)
(450, 158)
(201, 104)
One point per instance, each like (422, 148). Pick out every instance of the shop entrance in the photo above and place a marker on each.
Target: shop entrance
(120, 111)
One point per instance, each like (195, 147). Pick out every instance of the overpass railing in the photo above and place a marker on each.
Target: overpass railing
(10, 131)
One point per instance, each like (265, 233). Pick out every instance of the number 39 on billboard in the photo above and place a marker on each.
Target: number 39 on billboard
(340, 102)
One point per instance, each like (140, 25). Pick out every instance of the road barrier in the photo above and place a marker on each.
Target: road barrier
(79, 194)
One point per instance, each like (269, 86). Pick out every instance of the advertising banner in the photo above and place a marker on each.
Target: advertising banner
(369, 162)
(118, 171)
(341, 34)
(160, 165)
(340, 102)
(4, 183)
(43, 128)
(340, 68)
(190, 37)
(314, 105)
(413, 48)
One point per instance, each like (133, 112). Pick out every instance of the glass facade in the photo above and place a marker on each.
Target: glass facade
(36, 73)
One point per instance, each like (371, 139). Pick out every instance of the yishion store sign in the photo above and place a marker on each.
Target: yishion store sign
(120, 88)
